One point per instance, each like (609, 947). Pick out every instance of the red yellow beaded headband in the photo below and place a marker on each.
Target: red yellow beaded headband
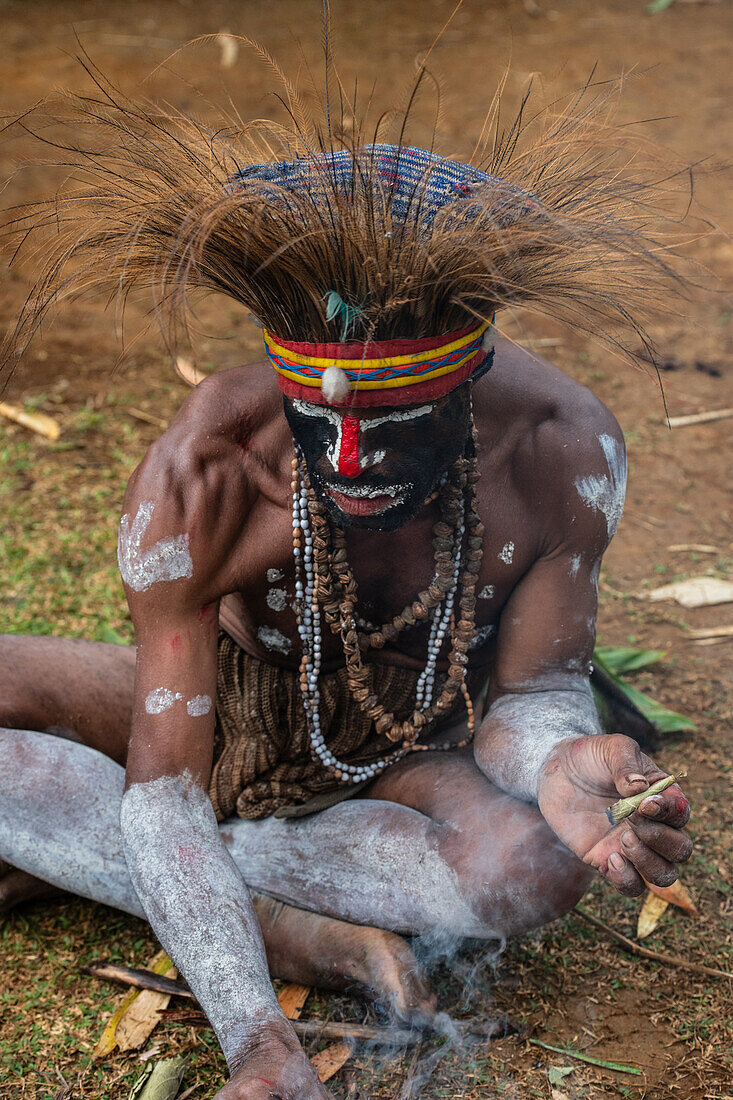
(385, 372)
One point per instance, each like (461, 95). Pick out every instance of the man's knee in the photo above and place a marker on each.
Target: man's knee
(514, 879)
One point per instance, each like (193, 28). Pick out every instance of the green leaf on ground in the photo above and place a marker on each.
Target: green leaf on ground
(570, 1053)
(621, 659)
(162, 1083)
(555, 1074)
(609, 658)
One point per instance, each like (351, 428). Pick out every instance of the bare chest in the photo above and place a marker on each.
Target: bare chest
(391, 570)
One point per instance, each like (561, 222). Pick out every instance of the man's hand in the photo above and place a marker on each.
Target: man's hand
(274, 1068)
(582, 778)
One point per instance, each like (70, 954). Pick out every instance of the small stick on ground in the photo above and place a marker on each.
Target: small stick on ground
(359, 1033)
(138, 979)
(405, 1089)
(637, 949)
(317, 1029)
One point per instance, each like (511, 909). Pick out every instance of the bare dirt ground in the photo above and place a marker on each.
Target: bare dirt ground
(570, 985)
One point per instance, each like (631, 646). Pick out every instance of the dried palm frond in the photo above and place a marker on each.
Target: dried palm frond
(564, 222)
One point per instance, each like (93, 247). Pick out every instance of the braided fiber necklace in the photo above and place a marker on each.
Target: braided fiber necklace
(325, 583)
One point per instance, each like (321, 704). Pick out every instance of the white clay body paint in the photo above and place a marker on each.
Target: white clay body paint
(574, 566)
(168, 559)
(161, 699)
(521, 730)
(198, 706)
(198, 905)
(481, 636)
(59, 817)
(384, 869)
(277, 599)
(274, 575)
(606, 492)
(507, 553)
(487, 592)
(271, 638)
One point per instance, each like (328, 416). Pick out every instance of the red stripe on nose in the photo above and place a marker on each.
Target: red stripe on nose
(349, 452)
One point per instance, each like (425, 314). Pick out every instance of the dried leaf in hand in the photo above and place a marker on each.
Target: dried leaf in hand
(650, 915)
(291, 999)
(676, 894)
(330, 1060)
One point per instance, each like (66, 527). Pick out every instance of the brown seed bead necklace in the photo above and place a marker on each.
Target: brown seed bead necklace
(324, 580)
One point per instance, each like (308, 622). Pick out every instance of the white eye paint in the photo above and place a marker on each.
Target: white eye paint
(168, 560)
(320, 412)
(274, 575)
(507, 553)
(199, 705)
(487, 592)
(271, 638)
(277, 599)
(606, 492)
(161, 699)
(481, 636)
(574, 566)
(398, 416)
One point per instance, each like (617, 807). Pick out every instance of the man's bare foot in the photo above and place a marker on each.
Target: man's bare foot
(275, 1068)
(18, 886)
(332, 954)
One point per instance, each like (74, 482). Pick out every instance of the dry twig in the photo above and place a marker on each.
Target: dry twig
(637, 949)
(699, 418)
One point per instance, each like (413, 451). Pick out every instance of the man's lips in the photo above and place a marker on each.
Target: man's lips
(363, 505)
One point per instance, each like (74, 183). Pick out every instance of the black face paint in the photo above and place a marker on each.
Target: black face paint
(376, 469)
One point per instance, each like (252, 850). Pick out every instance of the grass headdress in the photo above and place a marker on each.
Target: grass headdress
(337, 239)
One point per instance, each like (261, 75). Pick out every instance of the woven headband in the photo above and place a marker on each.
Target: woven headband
(417, 186)
(387, 372)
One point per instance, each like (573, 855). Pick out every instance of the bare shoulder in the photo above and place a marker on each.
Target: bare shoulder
(564, 446)
(201, 479)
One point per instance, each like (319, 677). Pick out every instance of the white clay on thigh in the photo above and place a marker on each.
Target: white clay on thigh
(371, 862)
(59, 817)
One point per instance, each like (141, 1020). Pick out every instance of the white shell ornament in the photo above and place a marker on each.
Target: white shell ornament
(335, 385)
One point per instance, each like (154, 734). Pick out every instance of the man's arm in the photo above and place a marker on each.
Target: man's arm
(533, 742)
(191, 890)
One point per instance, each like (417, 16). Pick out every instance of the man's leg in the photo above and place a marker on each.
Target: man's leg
(434, 848)
(485, 866)
(70, 688)
(59, 822)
